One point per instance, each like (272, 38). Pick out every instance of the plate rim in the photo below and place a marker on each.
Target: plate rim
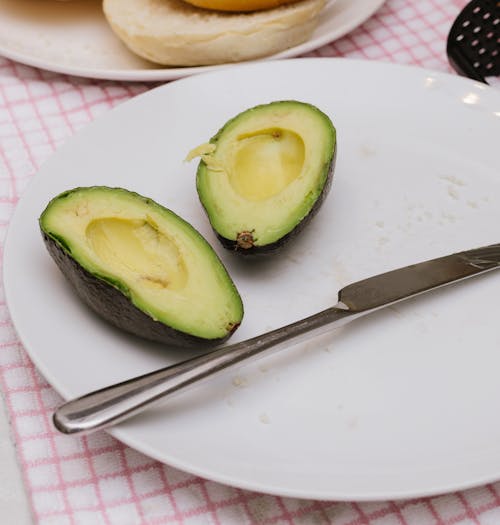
(169, 74)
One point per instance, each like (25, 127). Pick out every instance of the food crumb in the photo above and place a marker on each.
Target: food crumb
(367, 150)
(352, 423)
(452, 192)
(264, 418)
(380, 224)
(263, 368)
(449, 217)
(472, 204)
(340, 272)
(383, 240)
(454, 180)
(293, 260)
(239, 382)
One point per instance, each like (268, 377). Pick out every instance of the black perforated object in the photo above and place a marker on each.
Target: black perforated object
(473, 45)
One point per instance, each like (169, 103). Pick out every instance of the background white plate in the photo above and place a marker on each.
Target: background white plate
(402, 403)
(74, 38)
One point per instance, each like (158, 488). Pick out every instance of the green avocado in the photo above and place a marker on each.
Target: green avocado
(141, 267)
(264, 175)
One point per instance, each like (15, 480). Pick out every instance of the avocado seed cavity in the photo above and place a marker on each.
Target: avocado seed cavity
(264, 163)
(138, 252)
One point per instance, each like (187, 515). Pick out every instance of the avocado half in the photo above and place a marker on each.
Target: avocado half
(141, 267)
(264, 175)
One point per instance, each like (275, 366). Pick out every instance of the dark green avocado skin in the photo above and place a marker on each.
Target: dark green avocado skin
(274, 247)
(114, 306)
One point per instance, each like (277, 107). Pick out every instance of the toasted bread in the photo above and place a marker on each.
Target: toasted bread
(175, 33)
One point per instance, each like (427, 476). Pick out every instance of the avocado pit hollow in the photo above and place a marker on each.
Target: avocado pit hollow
(137, 250)
(265, 162)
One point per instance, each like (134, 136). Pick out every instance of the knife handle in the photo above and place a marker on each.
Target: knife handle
(115, 403)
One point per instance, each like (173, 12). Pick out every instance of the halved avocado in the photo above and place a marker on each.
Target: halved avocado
(263, 176)
(141, 267)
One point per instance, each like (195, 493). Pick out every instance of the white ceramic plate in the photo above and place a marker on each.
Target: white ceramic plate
(74, 38)
(403, 403)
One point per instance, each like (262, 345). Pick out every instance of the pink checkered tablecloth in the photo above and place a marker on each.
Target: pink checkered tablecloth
(96, 479)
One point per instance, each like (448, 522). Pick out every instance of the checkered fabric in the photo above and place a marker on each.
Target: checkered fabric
(98, 480)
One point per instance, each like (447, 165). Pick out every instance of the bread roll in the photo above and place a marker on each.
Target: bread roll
(175, 33)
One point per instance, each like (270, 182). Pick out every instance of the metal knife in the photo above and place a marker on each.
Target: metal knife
(108, 406)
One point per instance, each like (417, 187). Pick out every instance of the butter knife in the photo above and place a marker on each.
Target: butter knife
(110, 405)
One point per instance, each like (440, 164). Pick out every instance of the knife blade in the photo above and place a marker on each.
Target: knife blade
(115, 403)
(402, 283)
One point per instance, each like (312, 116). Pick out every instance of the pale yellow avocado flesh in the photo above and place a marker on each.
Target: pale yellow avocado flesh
(165, 267)
(264, 163)
(138, 252)
(265, 169)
